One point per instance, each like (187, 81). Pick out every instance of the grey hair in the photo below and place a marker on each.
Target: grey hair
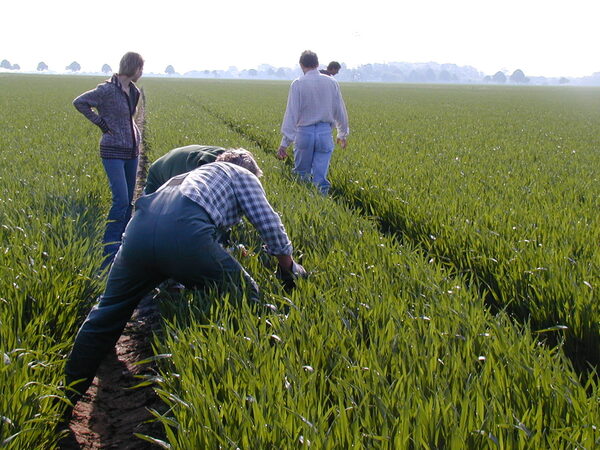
(242, 158)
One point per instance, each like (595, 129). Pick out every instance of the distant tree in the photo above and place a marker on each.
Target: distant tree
(170, 70)
(42, 66)
(429, 75)
(518, 77)
(280, 72)
(16, 67)
(445, 76)
(252, 72)
(487, 79)
(392, 77)
(5, 64)
(564, 80)
(499, 77)
(414, 76)
(73, 67)
(106, 69)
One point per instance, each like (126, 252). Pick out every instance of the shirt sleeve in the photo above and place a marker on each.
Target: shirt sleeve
(341, 115)
(290, 119)
(152, 181)
(253, 202)
(88, 100)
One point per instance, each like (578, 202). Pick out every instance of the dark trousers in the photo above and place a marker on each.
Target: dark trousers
(169, 236)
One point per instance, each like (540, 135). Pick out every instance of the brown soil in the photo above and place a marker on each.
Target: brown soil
(111, 411)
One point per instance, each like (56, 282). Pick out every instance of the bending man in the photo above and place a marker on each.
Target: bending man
(333, 68)
(174, 234)
(177, 161)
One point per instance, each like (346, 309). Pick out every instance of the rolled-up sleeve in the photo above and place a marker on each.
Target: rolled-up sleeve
(253, 201)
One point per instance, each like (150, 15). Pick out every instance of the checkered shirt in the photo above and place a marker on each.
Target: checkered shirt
(228, 192)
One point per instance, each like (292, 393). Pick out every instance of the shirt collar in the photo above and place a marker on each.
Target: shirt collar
(115, 80)
(312, 72)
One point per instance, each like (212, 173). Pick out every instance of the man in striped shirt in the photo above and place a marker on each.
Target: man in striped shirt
(314, 106)
(174, 234)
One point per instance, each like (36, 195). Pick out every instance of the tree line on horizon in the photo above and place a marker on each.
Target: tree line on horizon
(387, 72)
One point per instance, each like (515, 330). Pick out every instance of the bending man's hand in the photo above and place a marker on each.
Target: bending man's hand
(281, 153)
(342, 142)
(288, 271)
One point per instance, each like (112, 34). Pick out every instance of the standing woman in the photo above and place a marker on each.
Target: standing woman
(115, 102)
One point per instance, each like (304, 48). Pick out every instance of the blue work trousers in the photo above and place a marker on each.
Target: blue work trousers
(169, 236)
(313, 148)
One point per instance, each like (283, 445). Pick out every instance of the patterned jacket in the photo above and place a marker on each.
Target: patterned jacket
(115, 110)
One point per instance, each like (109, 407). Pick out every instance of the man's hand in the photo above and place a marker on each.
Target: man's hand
(281, 152)
(288, 271)
(342, 142)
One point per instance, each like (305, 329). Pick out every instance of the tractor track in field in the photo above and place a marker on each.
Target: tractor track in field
(113, 409)
(584, 359)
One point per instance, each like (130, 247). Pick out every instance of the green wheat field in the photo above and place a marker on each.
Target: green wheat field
(455, 269)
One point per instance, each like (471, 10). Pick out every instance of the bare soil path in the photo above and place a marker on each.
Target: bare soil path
(111, 412)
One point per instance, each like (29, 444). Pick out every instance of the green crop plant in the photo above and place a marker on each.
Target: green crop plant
(403, 336)
(499, 184)
(52, 201)
(381, 347)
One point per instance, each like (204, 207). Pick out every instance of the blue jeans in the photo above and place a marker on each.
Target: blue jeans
(312, 152)
(121, 175)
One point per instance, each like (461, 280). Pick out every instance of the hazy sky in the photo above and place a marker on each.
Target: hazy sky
(541, 37)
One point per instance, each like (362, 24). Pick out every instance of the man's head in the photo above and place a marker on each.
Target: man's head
(334, 67)
(242, 158)
(309, 60)
(131, 65)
